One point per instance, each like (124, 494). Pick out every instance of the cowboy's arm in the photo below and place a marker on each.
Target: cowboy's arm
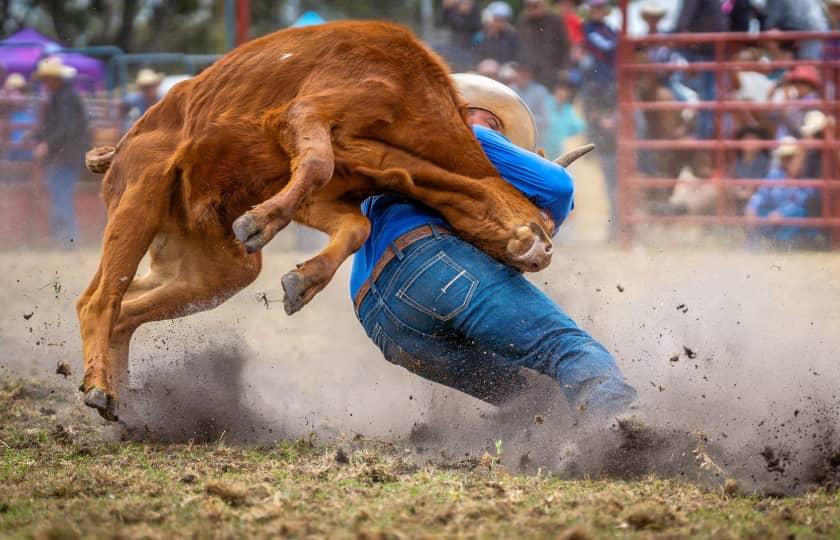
(546, 183)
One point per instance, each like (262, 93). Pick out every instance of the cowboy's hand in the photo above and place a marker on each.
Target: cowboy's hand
(541, 152)
(40, 151)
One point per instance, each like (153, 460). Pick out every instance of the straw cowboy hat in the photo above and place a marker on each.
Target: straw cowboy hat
(481, 92)
(148, 77)
(653, 8)
(15, 81)
(787, 148)
(832, 3)
(813, 123)
(54, 67)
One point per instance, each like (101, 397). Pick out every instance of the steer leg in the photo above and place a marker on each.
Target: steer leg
(348, 229)
(305, 136)
(188, 273)
(132, 224)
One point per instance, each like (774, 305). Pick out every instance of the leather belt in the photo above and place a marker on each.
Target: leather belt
(401, 243)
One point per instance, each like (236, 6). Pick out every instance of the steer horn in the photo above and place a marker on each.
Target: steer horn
(572, 155)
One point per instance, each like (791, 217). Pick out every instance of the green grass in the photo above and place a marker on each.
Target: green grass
(75, 485)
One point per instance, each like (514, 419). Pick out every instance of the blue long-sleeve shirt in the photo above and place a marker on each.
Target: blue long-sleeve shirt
(547, 184)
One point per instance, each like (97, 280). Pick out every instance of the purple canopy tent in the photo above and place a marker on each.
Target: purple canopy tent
(20, 52)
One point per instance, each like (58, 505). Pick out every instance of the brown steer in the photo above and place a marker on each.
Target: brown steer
(302, 124)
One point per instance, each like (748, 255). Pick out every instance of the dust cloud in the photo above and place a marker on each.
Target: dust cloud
(733, 355)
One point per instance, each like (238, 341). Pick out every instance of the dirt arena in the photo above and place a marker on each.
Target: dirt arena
(734, 355)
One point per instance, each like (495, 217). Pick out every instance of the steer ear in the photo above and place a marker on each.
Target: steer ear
(572, 155)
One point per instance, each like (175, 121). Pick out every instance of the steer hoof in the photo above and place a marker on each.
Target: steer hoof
(294, 287)
(247, 230)
(105, 404)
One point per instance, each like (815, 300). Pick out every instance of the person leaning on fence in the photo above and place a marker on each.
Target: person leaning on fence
(774, 203)
(18, 117)
(63, 139)
(137, 103)
(797, 16)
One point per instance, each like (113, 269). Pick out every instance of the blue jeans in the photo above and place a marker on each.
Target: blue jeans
(61, 181)
(448, 312)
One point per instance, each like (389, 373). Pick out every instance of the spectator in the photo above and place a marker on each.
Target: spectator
(751, 163)
(797, 15)
(600, 43)
(803, 83)
(137, 103)
(544, 41)
(702, 16)
(832, 51)
(535, 95)
(599, 110)
(19, 115)
(741, 15)
(813, 129)
(463, 18)
(489, 68)
(497, 39)
(563, 119)
(63, 140)
(574, 28)
(775, 203)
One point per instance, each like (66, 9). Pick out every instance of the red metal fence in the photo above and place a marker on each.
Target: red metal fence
(633, 184)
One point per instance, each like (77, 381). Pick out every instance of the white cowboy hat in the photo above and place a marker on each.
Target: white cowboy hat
(54, 67)
(788, 147)
(15, 81)
(653, 8)
(481, 92)
(813, 123)
(148, 77)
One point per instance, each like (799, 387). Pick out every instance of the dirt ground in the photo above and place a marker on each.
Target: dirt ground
(733, 353)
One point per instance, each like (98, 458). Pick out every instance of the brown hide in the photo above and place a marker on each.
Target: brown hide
(302, 124)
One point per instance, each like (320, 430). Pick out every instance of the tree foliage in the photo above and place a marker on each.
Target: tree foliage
(177, 25)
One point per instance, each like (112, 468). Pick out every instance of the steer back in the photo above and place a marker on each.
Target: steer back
(371, 81)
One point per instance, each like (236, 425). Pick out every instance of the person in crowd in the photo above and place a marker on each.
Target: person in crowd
(813, 129)
(535, 95)
(63, 139)
(702, 16)
(544, 40)
(567, 9)
(488, 68)
(18, 117)
(446, 311)
(563, 120)
(137, 103)
(802, 83)
(797, 15)
(832, 46)
(777, 202)
(751, 163)
(497, 38)
(600, 44)
(463, 18)
(599, 111)
(741, 14)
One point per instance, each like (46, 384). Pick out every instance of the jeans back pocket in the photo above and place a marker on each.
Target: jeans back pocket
(440, 288)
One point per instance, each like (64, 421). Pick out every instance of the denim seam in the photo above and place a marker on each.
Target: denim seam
(447, 260)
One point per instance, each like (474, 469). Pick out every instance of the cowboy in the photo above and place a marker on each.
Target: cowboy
(63, 139)
(137, 103)
(448, 312)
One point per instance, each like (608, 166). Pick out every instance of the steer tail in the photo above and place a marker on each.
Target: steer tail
(98, 160)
